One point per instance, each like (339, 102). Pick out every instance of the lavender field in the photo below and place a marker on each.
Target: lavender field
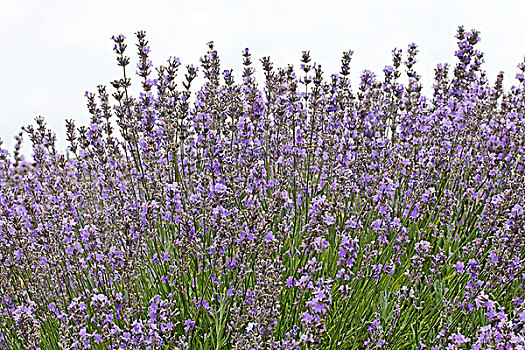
(294, 213)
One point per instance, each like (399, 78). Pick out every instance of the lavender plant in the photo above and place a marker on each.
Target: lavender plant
(296, 215)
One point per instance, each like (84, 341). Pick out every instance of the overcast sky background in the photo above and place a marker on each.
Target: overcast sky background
(53, 51)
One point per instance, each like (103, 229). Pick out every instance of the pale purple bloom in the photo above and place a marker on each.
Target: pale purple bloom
(459, 267)
(188, 325)
(329, 219)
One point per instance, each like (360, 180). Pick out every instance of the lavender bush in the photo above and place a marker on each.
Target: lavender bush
(297, 216)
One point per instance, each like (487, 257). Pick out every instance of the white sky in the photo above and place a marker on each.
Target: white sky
(53, 51)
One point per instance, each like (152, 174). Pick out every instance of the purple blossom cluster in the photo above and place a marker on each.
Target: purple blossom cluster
(299, 215)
